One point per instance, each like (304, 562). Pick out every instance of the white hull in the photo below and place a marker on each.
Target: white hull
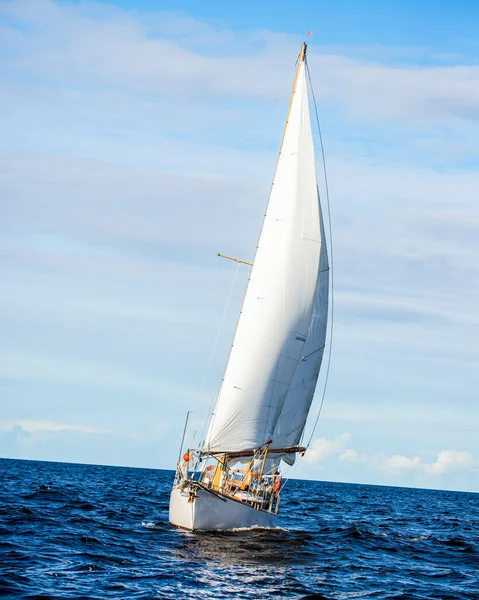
(208, 512)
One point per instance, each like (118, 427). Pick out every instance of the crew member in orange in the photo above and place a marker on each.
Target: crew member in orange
(277, 484)
(184, 466)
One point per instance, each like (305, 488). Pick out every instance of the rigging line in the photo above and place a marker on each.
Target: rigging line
(331, 254)
(269, 129)
(210, 409)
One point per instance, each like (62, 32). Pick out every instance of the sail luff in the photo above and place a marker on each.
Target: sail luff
(277, 309)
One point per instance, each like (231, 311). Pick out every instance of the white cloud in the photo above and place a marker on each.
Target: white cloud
(403, 463)
(450, 460)
(396, 464)
(71, 443)
(377, 91)
(447, 460)
(39, 426)
(322, 448)
(349, 454)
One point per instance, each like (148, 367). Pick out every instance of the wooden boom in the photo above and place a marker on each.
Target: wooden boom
(247, 453)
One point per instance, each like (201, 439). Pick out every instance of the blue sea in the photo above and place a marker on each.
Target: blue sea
(94, 532)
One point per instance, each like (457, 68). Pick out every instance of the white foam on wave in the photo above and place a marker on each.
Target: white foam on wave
(419, 538)
(233, 530)
(347, 595)
(258, 527)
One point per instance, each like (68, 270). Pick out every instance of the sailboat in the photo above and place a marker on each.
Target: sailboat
(233, 479)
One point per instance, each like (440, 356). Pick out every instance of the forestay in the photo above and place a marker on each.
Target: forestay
(283, 319)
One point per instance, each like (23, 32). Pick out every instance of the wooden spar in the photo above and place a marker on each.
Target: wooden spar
(250, 453)
(243, 262)
(264, 462)
(218, 473)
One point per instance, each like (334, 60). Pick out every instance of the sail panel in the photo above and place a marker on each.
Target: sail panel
(278, 305)
(294, 413)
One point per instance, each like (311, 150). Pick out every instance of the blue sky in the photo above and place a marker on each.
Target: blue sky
(139, 139)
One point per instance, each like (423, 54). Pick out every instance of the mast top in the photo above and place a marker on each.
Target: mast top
(302, 54)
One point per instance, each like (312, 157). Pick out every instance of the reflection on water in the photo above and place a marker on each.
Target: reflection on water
(254, 545)
(252, 559)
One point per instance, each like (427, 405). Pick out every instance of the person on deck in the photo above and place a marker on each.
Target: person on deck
(184, 469)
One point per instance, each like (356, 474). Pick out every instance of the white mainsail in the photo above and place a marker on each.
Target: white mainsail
(278, 346)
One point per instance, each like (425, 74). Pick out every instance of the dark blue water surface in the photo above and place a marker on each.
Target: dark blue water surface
(84, 531)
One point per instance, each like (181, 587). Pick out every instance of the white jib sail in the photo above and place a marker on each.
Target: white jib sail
(294, 413)
(278, 305)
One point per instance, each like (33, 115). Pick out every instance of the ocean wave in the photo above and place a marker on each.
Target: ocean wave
(75, 531)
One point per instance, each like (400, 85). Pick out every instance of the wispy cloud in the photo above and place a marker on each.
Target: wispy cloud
(38, 426)
(67, 442)
(145, 50)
